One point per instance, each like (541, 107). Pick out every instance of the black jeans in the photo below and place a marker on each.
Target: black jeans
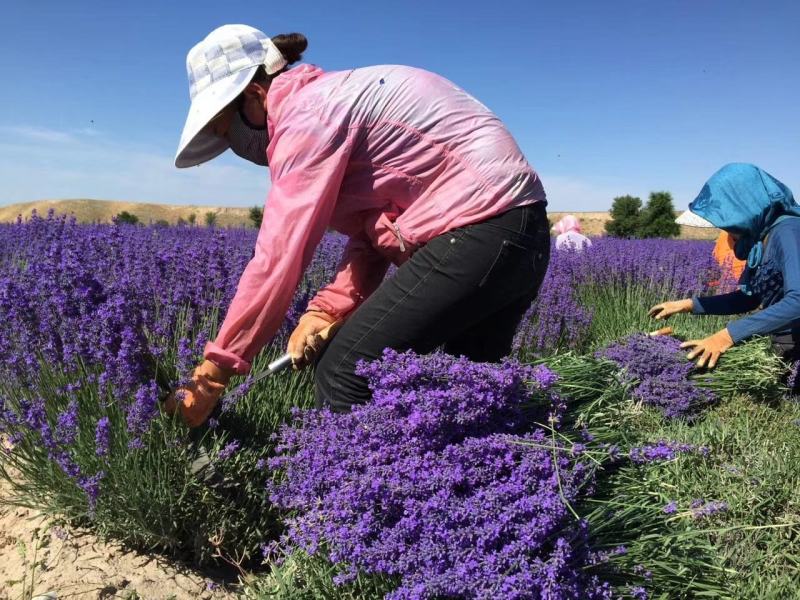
(787, 346)
(466, 289)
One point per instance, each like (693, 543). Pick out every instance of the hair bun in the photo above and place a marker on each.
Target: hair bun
(291, 45)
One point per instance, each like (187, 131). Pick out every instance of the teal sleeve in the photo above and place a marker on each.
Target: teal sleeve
(734, 303)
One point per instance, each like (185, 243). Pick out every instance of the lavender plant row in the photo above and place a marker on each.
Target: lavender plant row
(562, 317)
(439, 483)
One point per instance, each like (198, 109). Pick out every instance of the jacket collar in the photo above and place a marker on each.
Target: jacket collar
(284, 86)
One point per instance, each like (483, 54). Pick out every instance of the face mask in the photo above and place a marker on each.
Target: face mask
(248, 141)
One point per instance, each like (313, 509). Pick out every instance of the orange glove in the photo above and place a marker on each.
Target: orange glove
(709, 349)
(312, 333)
(667, 309)
(200, 396)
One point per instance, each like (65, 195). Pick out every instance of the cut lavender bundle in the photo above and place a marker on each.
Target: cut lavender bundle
(657, 369)
(434, 483)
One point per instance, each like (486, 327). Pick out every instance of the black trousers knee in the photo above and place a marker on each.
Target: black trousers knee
(465, 290)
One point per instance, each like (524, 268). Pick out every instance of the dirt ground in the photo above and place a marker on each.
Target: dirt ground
(77, 565)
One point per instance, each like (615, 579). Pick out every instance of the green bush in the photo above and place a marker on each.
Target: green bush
(127, 218)
(256, 215)
(624, 217)
(657, 220)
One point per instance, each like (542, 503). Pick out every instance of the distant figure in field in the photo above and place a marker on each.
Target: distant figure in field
(569, 233)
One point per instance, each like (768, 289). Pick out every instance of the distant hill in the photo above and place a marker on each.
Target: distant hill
(90, 211)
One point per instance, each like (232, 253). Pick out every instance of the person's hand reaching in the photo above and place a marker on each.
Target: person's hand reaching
(666, 309)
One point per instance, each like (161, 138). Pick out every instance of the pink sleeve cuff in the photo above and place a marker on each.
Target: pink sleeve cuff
(317, 303)
(225, 359)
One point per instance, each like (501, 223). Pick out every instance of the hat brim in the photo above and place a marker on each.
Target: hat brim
(690, 219)
(199, 144)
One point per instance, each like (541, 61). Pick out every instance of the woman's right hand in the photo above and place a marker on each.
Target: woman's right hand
(666, 309)
(313, 331)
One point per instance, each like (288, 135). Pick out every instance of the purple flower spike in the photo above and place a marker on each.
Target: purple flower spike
(102, 437)
(706, 509)
(229, 451)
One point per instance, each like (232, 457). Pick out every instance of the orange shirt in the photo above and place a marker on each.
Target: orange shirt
(723, 254)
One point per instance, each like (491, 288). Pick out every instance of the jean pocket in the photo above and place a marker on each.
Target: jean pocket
(509, 254)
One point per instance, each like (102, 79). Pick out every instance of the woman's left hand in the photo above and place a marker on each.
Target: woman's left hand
(709, 349)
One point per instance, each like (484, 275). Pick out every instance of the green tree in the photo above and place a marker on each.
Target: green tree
(657, 220)
(256, 216)
(192, 219)
(625, 214)
(161, 223)
(181, 222)
(126, 218)
(211, 219)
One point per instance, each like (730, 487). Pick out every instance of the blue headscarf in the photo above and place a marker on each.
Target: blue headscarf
(746, 201)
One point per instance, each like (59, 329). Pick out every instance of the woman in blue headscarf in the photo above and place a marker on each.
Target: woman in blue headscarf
(761, 214)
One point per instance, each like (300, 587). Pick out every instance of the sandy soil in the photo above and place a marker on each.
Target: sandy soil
(77, 565)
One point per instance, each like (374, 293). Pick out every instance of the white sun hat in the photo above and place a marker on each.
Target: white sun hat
(690, 219)
(219, 68)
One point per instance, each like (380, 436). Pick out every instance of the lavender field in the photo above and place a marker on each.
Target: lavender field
(594, 463)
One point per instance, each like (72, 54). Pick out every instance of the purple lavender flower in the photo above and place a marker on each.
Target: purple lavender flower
(603, 556)
(67, 464)
(67, 428)
(662, 450)
(706, 509)
(229, 451)
(639, 593)
(794, 370)
(643, 571)
(670, 508)
(102, 437)
(143, 409)
(91, 486)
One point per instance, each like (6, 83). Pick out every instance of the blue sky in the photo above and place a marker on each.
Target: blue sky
(604, 97)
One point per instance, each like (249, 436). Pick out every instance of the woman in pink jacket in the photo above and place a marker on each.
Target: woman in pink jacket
(413, 169)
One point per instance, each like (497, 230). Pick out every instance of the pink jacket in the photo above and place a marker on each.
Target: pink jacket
(391, 156)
